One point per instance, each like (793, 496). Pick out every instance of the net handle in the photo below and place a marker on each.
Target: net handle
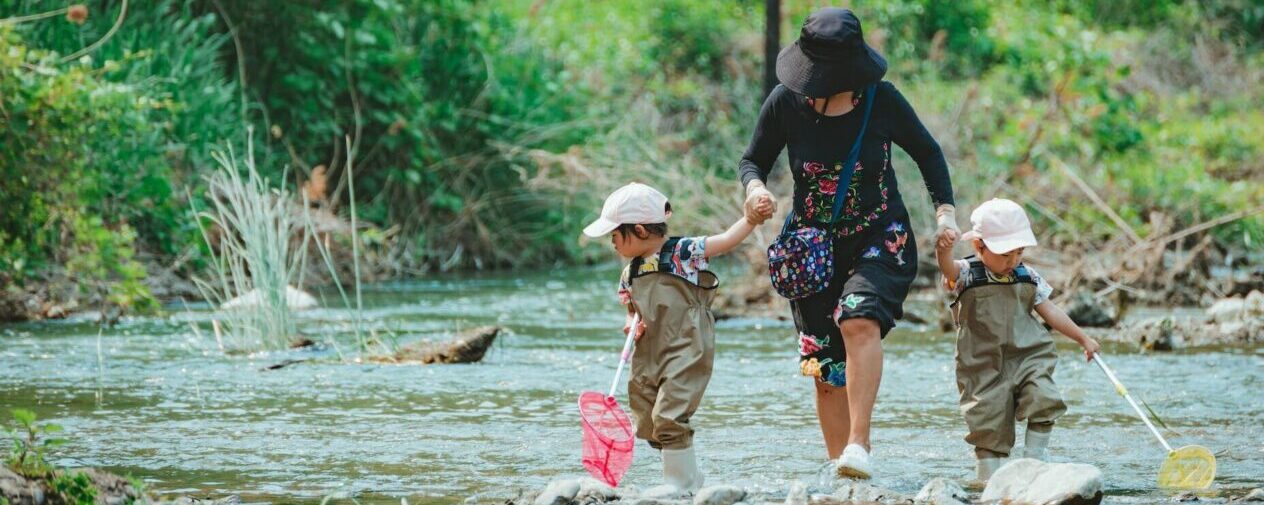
(627, 351)
(1119, 388)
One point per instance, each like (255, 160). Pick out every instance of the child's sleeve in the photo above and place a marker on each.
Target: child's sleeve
(954, 285)
(625, 286)
(1043, 290)
(690, 257)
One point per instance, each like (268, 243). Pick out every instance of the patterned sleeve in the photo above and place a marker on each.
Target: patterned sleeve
(963, 271)
(690, 257)
(1043, 290)
(625, 285)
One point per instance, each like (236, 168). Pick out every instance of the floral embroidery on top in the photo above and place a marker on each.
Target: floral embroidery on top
(852, 221)
(823, 189)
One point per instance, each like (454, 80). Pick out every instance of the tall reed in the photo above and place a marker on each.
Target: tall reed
(252, 253)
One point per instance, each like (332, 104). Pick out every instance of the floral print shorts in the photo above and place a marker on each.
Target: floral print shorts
(872, 274)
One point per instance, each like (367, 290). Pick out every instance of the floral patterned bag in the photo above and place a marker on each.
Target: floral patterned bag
(801, 261)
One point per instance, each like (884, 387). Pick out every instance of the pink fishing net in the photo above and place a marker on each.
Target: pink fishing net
(608, 439)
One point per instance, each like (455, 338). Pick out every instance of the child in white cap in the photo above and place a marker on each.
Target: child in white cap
(667, 283)
(1005, 358)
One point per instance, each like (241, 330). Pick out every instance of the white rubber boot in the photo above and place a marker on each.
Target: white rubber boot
(1036, 445)
(680, 475)
(680, 469)
(985, 467)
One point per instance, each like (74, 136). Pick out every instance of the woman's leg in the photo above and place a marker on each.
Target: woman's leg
(833, 413)
(863, 341)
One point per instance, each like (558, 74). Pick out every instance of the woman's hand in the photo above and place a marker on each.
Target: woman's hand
(946, 231)
(760, 204)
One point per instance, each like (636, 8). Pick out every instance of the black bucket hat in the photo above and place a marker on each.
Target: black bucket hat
(830, 56)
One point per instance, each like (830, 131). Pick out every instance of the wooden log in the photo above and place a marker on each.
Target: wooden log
(468, 347)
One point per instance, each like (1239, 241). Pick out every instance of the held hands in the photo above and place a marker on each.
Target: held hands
(1091, 347)
(760, 204)
(946, 231)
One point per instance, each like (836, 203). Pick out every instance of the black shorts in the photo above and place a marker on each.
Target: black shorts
(872, 274)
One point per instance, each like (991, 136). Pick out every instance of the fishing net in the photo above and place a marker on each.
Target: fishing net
(608, 437)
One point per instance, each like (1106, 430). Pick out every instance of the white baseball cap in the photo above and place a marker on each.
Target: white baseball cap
(635, 203)
(1002, 224)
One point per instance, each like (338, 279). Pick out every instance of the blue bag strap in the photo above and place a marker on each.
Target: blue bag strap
(849, 167)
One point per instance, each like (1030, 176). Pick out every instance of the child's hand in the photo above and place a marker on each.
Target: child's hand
(1090, 348)
(946, 240)
(755, 217)
(640, 328)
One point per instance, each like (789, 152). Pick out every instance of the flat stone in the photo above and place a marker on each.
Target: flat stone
(1030, 481)
(295, 299)
(855, 491)
(558, 492)
(719, 495)
(941, 491)
(594, 491)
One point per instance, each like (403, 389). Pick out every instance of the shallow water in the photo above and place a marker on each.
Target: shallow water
(162, 403)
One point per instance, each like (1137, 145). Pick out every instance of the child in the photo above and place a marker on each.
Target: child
(1005, 358)
(667, 283)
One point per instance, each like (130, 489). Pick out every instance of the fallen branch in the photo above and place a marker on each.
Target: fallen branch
(1225, 219)
(1097, 200)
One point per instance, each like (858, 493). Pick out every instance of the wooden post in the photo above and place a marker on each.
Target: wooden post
(772, 43)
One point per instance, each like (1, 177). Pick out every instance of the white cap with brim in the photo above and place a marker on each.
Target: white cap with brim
(1002, 225)
(635, 203)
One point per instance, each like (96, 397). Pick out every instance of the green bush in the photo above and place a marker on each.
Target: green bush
(429, 89)
(69, 136)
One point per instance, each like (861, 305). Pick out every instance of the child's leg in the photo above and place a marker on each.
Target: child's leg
(641, 398)
(684, 379)
(1039, 402)
(987, 399)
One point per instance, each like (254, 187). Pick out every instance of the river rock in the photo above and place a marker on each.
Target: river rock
(1086, 310)
(294, 298)
(1237, 309)
(1034, 482)
(1256, 495)
(111, 489)
(558, 492)
(941, 491)
(594, 491)
(468, 347)
(189, 500)
(719, 495)
(17, 490)
(856, 491)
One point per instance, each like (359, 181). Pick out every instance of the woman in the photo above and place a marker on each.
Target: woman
(812, 113)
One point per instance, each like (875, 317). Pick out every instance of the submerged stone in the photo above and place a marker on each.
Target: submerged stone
(941, 491)
(719, 495)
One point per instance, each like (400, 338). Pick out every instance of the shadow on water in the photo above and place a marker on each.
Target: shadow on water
(166, 405)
